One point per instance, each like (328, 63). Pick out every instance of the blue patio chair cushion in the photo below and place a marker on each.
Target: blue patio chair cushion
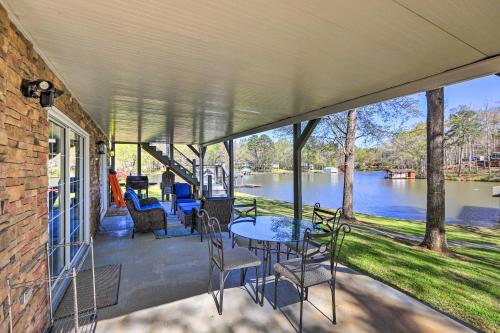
(187, 208)
(151, 206)
(130, 193)
(182, 190)
(217, 198)
(185, 200)
(135, 199)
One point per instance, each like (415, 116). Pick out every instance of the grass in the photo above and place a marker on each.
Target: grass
(478, 235)
(465, 285)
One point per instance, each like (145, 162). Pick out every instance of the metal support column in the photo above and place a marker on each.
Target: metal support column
(113, 167)
(299, 140)
(230, 152)
(171, 153)
(139, 158)
(113, 149)
(297, 172)
(202, 157)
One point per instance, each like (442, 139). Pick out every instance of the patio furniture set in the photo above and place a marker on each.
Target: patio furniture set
(316, 244)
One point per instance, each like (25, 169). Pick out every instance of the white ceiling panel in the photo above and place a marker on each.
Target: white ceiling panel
(198, 71)
(476, 22)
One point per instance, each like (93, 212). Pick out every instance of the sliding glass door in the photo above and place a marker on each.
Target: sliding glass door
(76, 158)
(56, 168)
(67, 193)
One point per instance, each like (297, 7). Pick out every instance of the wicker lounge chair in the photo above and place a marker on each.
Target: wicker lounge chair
(147, 214)
(219, 207)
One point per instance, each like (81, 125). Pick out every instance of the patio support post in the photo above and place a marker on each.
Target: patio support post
(202, 157)
(299, 140)
(113, 149)
(171, 154)
(297, 177)
(230, 151)
(139, 157)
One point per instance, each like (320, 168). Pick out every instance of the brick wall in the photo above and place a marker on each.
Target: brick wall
(23, 174)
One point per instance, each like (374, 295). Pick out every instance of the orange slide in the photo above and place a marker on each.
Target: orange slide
(117, 192)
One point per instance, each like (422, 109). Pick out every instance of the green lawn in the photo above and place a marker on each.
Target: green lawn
(417, 228)
(465, 285)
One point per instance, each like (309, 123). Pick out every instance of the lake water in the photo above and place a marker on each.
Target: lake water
(467, 203)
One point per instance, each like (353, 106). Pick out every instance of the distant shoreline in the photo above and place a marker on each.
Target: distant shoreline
(450, 177)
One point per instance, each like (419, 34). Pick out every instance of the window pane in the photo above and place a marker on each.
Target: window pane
(76, 160)
(56, 195)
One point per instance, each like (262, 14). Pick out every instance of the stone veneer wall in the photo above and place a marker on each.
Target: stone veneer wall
(23, 174)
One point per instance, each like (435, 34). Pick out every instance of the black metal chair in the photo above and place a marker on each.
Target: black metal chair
(226, 260)
(323, 219)
(243, 213)
(316, 265)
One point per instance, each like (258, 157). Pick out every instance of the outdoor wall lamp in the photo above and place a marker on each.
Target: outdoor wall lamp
(42, 89)
(101, 147)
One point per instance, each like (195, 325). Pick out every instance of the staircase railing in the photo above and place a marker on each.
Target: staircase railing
(159, 151)
(185, 162)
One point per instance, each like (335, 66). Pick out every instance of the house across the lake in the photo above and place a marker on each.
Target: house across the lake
(400, 174)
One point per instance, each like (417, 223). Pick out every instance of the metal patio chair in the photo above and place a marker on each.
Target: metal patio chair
(315, 266)
(243, 213)
(324, 219)
(227, 260)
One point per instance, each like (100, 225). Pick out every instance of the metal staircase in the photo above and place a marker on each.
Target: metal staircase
(183, 166)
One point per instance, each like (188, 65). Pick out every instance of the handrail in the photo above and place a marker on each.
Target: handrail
(225, 175)
(178, 152)
(185, 161)
(155, 149)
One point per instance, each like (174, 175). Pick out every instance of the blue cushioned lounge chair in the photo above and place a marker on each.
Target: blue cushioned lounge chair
(182, 194)
(147, 214)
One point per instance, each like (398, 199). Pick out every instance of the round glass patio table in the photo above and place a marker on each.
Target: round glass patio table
(268, 230)
(272, 228)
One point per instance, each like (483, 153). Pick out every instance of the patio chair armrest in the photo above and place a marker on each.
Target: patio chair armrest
(149, 219)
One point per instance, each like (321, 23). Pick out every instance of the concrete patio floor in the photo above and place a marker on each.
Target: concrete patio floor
(163, 288)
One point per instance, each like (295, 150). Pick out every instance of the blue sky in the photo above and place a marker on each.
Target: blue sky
(475, 93)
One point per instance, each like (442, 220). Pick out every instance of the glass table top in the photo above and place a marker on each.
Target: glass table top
(272, 228)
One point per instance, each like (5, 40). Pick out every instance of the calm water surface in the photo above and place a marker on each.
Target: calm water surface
(467, 203)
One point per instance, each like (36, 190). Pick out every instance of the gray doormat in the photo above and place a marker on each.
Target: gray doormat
(107, 284)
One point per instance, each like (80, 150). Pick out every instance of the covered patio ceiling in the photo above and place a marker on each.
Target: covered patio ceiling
(205, 71)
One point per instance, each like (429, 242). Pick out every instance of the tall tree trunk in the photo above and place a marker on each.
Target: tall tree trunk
(435, 235)
(488, 153)
(349, 164)
(470, 157)
(460, 161)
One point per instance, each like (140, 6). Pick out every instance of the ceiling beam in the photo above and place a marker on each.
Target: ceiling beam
(194, 150)
(306, 133)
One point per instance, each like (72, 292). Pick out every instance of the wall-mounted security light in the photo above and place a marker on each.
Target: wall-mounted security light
(101, 147)
(42, 89)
